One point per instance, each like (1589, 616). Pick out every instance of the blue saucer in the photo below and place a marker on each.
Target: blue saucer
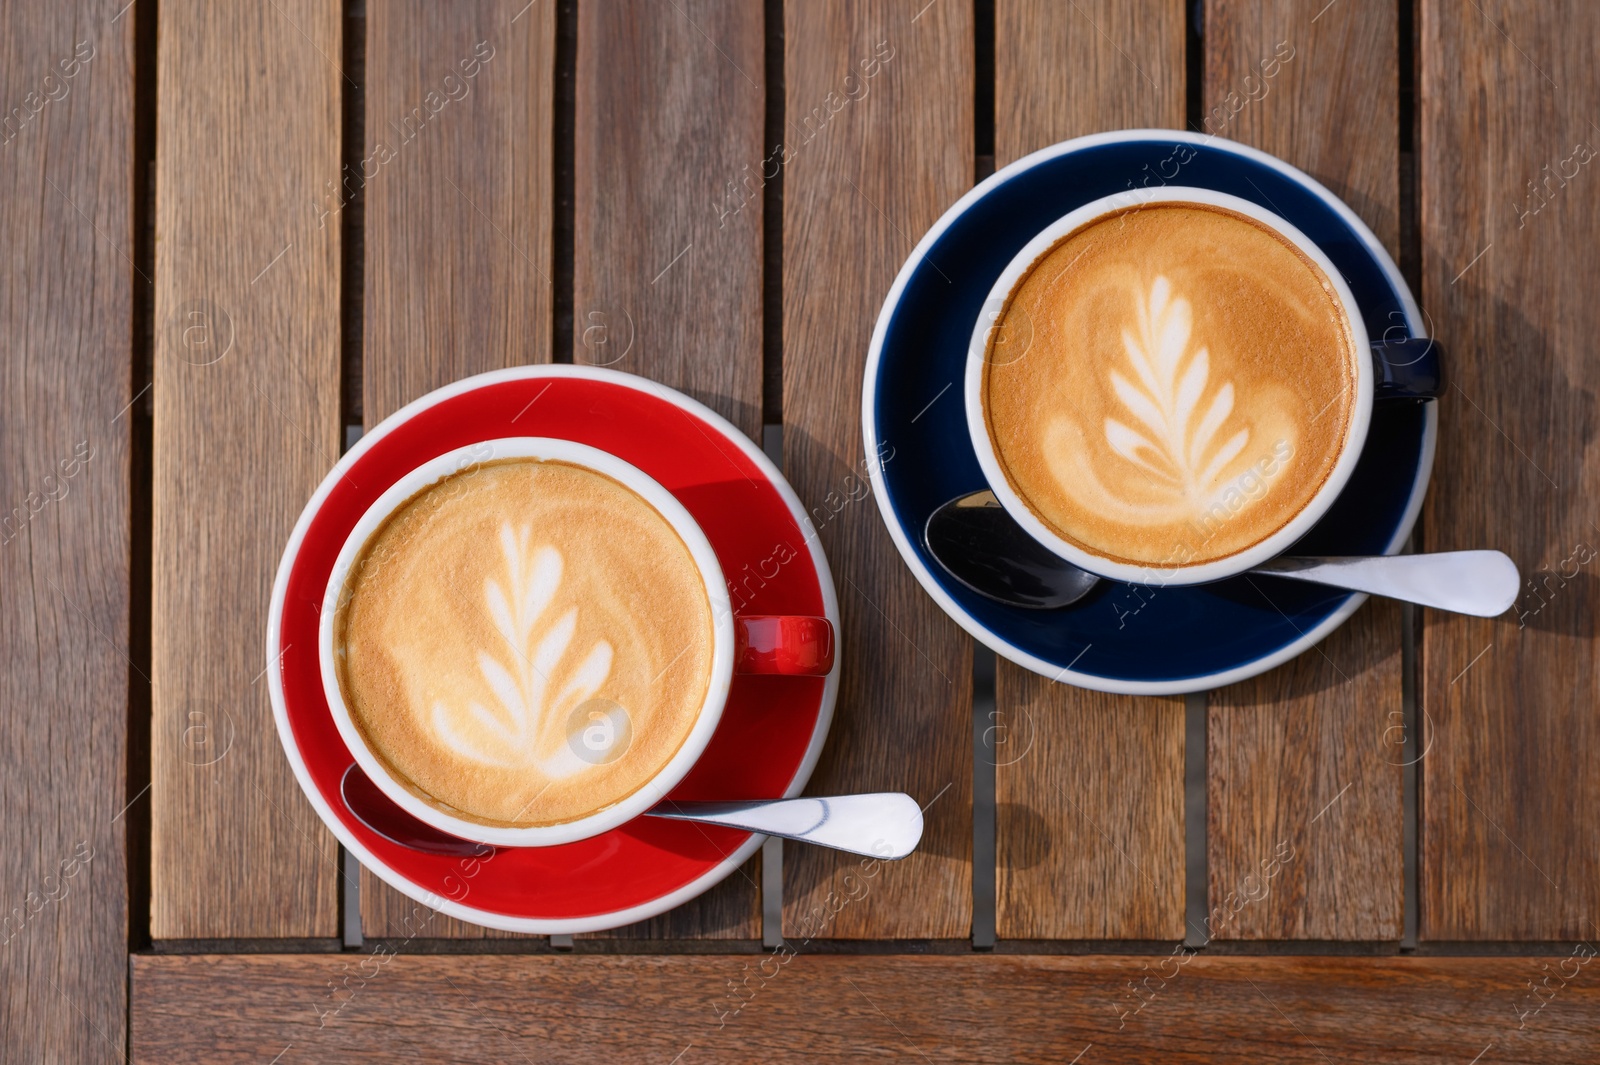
(1126, 638)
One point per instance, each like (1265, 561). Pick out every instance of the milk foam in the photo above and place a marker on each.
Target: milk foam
(528, 689)
(525, 643)
(1186, 389)
(1162, 429)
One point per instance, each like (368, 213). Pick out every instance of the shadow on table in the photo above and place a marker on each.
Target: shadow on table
(1022, 835)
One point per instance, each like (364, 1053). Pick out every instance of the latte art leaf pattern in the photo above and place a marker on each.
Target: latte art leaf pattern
(1172, 427)
(1191, 380)
(532, 663)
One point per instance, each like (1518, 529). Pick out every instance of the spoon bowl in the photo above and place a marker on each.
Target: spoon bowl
(983, 547)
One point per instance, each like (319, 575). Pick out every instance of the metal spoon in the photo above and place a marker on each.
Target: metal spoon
(983, 547)
(883, 825)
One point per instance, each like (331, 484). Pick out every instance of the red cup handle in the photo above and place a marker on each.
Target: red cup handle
(790, 645)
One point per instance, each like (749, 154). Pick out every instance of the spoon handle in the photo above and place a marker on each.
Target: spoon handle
(883, 825)
(1481, 583)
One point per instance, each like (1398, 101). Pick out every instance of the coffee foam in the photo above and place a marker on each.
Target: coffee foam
(1185, 390)
(525, 642)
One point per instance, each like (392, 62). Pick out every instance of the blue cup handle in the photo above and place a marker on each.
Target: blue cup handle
(1407, 369)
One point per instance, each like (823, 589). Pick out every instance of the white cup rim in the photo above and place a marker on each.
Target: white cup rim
(683, 523)
(1217, 569)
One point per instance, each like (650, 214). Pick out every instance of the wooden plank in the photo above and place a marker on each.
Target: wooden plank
(66, 299)
(1088, 812)
(457, 224)
(1063, 71)
(1511, 250)
(1306, 760)
(977, 1008)
(1303, 781)
(1330, 102)
(457, 206)
(872, 163)
(246, 424)
(1087, 847)
(666, 256)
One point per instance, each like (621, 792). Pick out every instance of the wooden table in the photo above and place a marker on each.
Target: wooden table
(215, 278)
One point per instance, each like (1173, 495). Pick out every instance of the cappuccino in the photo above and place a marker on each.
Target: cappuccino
(1169, 385)
(524, 642)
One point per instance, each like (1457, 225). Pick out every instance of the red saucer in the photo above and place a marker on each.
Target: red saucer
(771, 732)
